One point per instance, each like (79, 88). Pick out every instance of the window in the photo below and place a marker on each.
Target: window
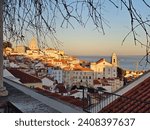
(32, 86)
(108, 70)
(103, 69)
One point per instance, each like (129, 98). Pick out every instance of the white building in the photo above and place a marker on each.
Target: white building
(53, 53)
(74, 60)
(47, 82)
(104, 69)
(14, 65)
(7, 50)
(83, 75)
(115, 84)
(21, 49)
(50, 51)
(57, 73)
(57, 63)
(78, 76)
(77, 93)
(98, 83)
(39, 65)
(6, 63)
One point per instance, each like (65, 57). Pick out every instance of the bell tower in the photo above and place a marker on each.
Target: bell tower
(114, 59)
(33, 44)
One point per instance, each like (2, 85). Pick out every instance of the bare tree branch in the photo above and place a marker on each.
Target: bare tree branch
(39, 17)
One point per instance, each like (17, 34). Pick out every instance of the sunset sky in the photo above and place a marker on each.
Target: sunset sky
(87, 41)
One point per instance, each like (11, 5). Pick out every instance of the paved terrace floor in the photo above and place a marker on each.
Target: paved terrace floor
(28, 101)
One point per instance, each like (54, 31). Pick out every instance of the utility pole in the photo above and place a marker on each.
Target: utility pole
(3, 91)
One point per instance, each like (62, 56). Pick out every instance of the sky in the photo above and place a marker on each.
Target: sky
(86, 41)
(90, 42)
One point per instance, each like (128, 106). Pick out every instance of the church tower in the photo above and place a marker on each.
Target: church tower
(114, 59)
(33, 44)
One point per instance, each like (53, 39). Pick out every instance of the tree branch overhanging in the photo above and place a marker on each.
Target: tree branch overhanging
(40, 17)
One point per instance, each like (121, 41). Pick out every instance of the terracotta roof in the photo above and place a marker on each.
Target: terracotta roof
(24, 77)
(61, 88)
(46, 93)
(50, 78)
(66, 68)
(104, 81)
(64, 61)
(49, 65)
(82, 69)
(95, 82)
(137, 100)
(73, 92)
(56, 60)
(40, 69)
(77, 66)
(68, 99)
(50, 49)
(99, 61)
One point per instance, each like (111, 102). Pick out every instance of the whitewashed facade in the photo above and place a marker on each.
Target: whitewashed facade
(104, 69)
(78, 77)
(47, 82)
(6, 63)
(58, 75)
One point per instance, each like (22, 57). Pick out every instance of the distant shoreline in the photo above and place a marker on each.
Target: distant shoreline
(125, 62)
(105, 55)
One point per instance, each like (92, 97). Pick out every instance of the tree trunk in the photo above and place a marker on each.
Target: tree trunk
(3, 91)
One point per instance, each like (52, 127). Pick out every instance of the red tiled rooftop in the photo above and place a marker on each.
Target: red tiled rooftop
(61, 88)
(73, 92)
(96, 82)
(67, 99)
(82, 69)
(99, 61)
(24, 77)
(138, 100)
